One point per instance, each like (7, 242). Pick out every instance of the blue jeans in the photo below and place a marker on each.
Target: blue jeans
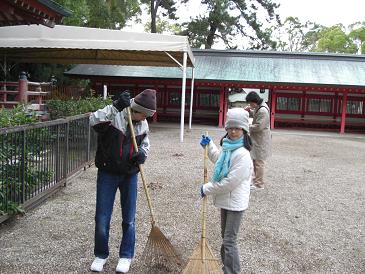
(107, 185)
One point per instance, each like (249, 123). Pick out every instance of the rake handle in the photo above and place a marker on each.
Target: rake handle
(203, 239)
(153, 221)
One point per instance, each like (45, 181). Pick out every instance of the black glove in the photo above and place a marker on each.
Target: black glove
(123, 101)
(139, 157)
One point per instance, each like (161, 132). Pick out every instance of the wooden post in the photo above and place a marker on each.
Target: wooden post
(39, 96)
(23, 88)
(343, 114)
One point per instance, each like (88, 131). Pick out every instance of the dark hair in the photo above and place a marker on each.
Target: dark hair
(247, 143)
(253, 97)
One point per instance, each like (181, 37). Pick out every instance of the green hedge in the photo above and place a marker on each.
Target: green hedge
(16, 116)
(57, 109)
(61, 109)
(9, 185)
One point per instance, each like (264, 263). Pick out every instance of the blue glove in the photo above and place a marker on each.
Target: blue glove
(202, 195)
(205, 140)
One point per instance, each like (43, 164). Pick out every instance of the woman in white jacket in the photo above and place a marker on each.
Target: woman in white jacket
(230, 183)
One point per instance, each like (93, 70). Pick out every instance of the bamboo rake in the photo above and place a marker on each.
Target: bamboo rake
(203, 260)
(159, 254)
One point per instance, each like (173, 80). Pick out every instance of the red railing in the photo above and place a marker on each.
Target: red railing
(32, 93)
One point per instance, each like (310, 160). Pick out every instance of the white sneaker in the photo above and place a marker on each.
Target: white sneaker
(98, 264)
(253, 187)
(123, 265)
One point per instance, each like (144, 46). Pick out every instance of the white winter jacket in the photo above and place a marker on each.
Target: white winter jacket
(233, 191)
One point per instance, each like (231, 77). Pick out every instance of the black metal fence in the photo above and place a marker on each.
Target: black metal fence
(35, 160)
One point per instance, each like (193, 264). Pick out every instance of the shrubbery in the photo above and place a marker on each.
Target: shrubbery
(12, 184)
(16, 116)
(57, 109)
(60, 108)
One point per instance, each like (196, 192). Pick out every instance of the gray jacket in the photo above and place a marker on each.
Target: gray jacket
(260, 132)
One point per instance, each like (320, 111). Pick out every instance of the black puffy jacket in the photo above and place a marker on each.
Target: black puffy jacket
(114, 145)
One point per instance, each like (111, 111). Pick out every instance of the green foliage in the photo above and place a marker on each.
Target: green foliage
(167, 10)
(61, 108)
(11, 208)
(295, 36)
(16, 116)
(11, 183)
(110, 14)
(225, 20)
(163, 26)
(334, 39)
(357, 34)
(311, 37)
(16, 155)
(291, 35)
(80, 12)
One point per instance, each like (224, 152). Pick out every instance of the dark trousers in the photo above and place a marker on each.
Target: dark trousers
(230, 224)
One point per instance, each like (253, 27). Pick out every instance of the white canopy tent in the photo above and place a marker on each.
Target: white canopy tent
(78, 45)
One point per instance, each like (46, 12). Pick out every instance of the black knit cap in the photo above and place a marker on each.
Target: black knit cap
(145, 102)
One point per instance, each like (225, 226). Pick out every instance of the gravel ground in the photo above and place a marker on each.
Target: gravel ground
(308, 219)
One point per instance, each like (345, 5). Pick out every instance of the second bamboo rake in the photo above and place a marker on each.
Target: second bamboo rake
(202, 261)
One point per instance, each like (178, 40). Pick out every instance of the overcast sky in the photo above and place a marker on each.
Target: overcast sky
(325, 12)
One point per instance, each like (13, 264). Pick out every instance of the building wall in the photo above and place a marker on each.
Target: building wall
(293, 107)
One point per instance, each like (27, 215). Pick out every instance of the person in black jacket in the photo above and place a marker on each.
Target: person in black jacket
(117, 164)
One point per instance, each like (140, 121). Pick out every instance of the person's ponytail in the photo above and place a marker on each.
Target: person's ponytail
(221, 142)
(247, 143)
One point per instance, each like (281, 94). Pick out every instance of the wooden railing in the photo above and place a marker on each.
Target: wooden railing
(23, 91)
(9, 94)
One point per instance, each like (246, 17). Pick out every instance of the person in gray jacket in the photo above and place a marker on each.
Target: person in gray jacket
(261, 136)
(230, 183)
(117, 163)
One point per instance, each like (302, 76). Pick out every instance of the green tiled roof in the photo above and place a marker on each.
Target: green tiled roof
(251, 66)
(56, 7)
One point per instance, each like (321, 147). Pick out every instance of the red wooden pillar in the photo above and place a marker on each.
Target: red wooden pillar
(225, 96)
(335, 106)
(165, 98)
(343, 114)
(23, 88)
(273, 109)
(303, 106)
(221, 107)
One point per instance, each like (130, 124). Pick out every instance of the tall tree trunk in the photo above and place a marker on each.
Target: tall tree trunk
(153, 15)
(210, 37)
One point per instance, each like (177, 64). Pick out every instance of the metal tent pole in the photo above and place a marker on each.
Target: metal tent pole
(191, 97)
(183, 98)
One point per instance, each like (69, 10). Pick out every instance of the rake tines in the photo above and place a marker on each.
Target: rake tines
(159, 254)
(208, 265)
